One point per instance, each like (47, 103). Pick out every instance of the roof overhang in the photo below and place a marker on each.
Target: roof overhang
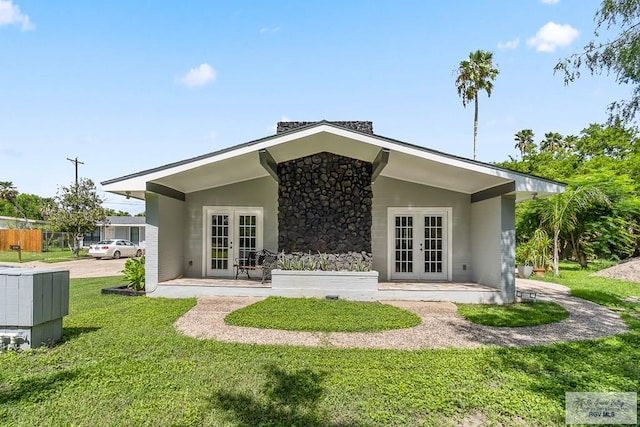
(391, 158)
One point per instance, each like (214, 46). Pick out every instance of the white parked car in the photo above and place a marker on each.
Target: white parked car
(114, 248)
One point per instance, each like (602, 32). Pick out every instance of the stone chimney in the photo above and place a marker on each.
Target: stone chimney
(365, 127)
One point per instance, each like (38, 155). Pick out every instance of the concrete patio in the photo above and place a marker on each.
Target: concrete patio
(393, 290)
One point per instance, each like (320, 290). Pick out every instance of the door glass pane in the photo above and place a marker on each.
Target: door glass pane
(247, 229)
(433, 244)
(219, 242)
(404, 244)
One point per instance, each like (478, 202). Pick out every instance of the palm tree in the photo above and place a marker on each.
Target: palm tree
(562, 215)
(9, 193)
(570, 142)
(474, 75)
(552, 142)
(524, 141)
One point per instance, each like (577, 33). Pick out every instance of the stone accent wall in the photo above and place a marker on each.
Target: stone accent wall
(366, 127)
(324, 204)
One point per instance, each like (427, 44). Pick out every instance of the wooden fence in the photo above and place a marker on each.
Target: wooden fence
(29, 240)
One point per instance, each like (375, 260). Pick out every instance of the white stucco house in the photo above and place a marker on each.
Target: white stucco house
(118, 227)
(124, 227)
(438, 226)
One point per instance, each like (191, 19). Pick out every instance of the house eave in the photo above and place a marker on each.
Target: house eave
(402, 161)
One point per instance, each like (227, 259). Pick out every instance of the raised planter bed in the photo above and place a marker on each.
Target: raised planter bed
(352, 285)
(122, 290)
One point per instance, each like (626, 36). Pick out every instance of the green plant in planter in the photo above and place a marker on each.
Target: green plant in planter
(351, 261)
(524, 261)
(134, 273)
(524, 254)
(323, 261)
(540, 249)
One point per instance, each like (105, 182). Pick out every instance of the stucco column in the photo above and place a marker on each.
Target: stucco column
(508, 249)
(151, 244)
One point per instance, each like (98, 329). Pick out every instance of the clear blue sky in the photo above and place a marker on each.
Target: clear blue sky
(130, 85)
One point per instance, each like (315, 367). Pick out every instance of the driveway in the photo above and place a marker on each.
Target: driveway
(87, 267)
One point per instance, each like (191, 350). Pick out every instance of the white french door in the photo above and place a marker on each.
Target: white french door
(231, 234)
(419, 243)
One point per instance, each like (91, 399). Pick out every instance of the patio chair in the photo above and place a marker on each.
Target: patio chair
(263, 260)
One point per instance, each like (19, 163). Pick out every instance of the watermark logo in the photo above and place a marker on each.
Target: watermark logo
(601, 408)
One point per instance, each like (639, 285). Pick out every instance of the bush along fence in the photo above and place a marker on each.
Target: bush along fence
(350, 261)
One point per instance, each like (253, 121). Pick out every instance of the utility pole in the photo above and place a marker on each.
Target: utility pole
(76, 162)
(76, 244)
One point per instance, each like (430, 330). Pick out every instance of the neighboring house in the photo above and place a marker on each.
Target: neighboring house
(119, 227)
(426, 216)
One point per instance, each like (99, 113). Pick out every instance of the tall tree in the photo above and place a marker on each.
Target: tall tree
(618, 55)
(77, 209)
(473, 76)
(9, 193)
(552, 142)
(524, 141)
(570, 142)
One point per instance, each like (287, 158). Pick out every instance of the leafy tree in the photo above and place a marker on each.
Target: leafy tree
(474, 75)
(611, 230)
(77, 209)
(615, 141)
(619, 55)
(9, 193)
(29, 204)
(606, 157)
(524, 141)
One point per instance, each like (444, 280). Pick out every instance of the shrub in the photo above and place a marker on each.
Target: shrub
(134, 273)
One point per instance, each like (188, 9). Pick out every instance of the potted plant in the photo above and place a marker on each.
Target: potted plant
(540, 250)
(524, 260)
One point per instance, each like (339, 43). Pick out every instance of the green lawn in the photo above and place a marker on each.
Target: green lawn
(51, 256)
(123, 364)
(513, 315)
(313, 314)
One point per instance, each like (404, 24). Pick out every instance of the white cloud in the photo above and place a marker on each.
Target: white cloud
(552, 35)
(198, 76)
(550, 1)
(10, 14)
(510, 44)
(269, 29)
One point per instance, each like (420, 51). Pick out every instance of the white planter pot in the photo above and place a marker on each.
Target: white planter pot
(525, 271)
(353, 285)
